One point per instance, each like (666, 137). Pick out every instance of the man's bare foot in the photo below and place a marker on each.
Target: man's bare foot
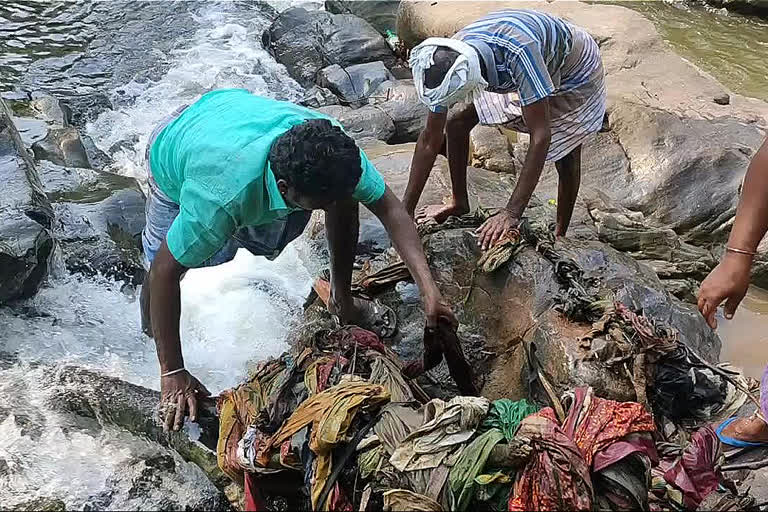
(440, 212)
(752, 429)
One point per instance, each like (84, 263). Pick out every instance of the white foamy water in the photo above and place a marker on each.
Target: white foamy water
(232, 315)
(227, 53)
(52, 456)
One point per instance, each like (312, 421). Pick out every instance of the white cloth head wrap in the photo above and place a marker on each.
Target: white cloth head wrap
(463, 80)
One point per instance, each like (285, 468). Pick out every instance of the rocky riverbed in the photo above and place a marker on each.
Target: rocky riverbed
(660, 187)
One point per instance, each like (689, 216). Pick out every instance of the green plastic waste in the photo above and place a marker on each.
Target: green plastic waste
(506, 415)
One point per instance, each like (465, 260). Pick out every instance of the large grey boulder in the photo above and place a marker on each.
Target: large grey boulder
(354, 84)
(381, 14)
(490, 149)
(401, 103)
(26, 243)
(103, 236)
(368, 122)
(307, 41)
(62, 146)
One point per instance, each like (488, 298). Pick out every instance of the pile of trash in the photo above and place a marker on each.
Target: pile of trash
(341, 424)
(336, 426)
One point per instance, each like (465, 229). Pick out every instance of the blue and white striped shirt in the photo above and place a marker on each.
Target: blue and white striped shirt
(523, 50)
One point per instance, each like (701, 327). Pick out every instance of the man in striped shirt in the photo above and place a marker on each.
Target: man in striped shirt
(520, 69)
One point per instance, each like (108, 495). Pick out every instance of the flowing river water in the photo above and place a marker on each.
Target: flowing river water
(147, 58)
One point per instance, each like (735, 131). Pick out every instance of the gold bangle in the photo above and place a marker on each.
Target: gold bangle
(740, 251)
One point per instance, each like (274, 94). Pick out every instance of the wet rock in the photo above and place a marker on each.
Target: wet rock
(382, 15)
(97, 158)
(489, 149)
(307, 41)
(31, 129)
(363, 123)
(29, 424)
(679, 178)
(354, 84)
(722, 99)
(50, 109)
(87, 107)
(15, 95)
(26, 243)
(80, 185)
(158, 481)
(755, 7)
(684, 289)
(133, 408)
(41, 505)
(316, 97)
(401, 103)
(62, 146)
(103, 237)
(514, 306)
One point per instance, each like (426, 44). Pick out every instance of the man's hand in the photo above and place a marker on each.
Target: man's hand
(436, 309)
(496, 227)
(728, 281)
(179, 394)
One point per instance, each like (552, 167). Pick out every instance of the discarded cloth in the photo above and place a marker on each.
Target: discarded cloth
(319, 371)
(387, 372)
(501, 252)
(684, 390)
(353, 337)
(403, 500)
(474, 219)
(599, 428)
(395, 423)
(623, 485)
(696, 473)
(330, 414)
(443, 341)
(382, 279)
(556, 477)
(239, 408)
(727, 502)
(506, 415)
(446, 425)
(470, 464)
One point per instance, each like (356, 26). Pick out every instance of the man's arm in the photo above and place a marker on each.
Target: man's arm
(342, 225)
(180, 391)
(427, 147)
(402, 232)
(730, 279)
(537, 119)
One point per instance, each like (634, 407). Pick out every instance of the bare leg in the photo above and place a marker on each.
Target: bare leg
(569, 179)
(457, 140)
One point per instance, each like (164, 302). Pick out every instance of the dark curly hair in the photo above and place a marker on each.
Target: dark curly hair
(317, 159)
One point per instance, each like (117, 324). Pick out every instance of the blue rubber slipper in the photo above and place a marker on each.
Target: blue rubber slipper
(735, 442)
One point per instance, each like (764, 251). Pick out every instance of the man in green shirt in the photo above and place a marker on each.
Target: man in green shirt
(238, 170)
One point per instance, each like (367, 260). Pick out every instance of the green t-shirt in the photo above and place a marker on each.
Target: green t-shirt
(212, 161)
